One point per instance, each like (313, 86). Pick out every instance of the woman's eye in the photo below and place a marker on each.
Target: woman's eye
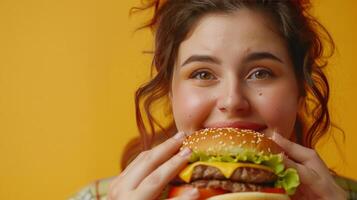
(261, 74)
(203, 75)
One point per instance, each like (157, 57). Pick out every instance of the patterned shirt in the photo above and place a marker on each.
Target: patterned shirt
(99, 189)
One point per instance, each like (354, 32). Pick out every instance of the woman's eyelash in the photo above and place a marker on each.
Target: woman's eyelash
(202, 75)
(260, 74)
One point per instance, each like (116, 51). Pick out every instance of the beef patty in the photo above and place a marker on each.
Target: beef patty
(242, 174)
(229, 186)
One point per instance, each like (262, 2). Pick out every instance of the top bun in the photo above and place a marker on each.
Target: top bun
(230, 141)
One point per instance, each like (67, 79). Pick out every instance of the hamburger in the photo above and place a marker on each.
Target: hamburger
(235, 164)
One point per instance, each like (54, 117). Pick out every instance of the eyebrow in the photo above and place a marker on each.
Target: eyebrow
(251, 57)
(201, 58)
(260, 56)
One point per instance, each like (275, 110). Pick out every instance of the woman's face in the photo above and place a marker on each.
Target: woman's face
(234, 70)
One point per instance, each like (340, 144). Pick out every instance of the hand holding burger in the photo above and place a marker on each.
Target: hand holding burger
(317, 182)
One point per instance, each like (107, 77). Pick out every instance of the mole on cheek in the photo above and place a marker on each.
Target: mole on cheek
(260, 92)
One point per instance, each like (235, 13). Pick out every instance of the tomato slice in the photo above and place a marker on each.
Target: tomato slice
(274, 190)
(204, 192)
(209, 192)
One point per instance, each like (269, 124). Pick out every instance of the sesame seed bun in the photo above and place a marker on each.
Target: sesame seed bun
(250, 196)
(230, 141)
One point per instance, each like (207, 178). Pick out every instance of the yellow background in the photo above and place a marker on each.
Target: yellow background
(68, 71)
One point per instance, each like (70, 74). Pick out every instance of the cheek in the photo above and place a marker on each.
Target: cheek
(279, 109)
(190, 107)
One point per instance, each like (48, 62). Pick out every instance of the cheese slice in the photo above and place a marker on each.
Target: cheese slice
(226, 168)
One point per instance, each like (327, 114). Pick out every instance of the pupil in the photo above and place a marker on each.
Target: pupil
(260, 74)
(205, 75)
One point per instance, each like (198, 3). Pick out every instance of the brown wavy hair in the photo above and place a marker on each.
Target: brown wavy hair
(309, 45)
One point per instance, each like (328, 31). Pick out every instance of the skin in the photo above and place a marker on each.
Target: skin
(227, 84)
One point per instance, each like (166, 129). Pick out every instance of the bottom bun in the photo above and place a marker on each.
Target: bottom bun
(250, 196)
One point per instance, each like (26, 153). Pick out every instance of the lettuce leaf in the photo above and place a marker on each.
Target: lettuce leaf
(287, 178)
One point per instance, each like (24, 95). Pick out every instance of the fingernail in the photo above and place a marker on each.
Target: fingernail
(185, 152)
(275, 136)
(193, 193)
(271, 133)
(179, 136)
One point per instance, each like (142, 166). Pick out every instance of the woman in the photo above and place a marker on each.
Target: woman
(232, 63)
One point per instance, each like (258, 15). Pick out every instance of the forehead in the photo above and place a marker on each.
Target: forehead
(241, 31)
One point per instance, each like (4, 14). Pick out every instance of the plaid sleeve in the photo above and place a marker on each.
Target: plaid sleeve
(349, 185)
(97, 190)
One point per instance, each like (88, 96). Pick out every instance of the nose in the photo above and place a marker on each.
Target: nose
(232, 99)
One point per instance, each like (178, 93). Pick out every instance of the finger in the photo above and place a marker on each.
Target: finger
(151, 159)
(120, 177)
(191, 194)
(297, 152)
(132, 164)
(159, 178)
(307, 174)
